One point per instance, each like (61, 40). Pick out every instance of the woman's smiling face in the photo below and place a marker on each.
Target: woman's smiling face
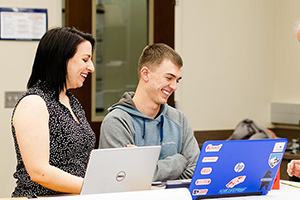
(80, 65)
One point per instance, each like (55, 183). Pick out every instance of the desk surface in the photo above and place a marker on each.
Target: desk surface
(285, 192)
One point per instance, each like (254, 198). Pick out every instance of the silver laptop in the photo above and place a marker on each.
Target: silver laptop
(120, 169)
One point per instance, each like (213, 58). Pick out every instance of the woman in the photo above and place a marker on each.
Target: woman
(52, 136)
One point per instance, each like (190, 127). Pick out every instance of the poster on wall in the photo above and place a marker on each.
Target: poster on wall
(23, 23)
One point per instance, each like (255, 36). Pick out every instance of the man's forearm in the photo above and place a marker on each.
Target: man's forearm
(170, 168)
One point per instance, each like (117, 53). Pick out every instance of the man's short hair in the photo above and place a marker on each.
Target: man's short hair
(155, 54)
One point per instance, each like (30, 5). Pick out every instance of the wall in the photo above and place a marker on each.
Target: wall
(239, 56)
(287, 57)
(16, 58)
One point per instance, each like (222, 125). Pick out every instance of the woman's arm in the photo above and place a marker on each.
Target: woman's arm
(31, 124)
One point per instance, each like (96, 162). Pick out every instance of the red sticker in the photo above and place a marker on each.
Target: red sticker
(206, 181)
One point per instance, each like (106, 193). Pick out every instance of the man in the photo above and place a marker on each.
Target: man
(144, 118)
(293, 168)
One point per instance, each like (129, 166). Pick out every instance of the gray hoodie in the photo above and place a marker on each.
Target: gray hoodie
(170, 129)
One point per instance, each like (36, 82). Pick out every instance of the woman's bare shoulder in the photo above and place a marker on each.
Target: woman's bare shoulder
(31, 106)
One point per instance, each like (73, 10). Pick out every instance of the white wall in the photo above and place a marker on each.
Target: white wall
(287, 57)
(239, 56)
(16, 58)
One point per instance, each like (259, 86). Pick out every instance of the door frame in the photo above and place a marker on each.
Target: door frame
(79, 14)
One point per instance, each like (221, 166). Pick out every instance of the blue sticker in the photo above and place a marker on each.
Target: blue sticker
(274, 159)
(232, 190)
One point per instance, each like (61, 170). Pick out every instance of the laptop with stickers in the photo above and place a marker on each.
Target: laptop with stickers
(236, 168)
(120, 169)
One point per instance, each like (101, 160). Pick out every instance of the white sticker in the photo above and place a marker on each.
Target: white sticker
(213, 148)
(275, 159)
(278, 147)
(210, 159)
(206, 181)
(206, 170)
(239, 167)
(200, 191)
(235, 181)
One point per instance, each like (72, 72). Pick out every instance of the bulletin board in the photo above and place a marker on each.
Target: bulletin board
(23, 23)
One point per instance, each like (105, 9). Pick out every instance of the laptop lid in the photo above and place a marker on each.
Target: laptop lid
(236, 168)
(120, 169)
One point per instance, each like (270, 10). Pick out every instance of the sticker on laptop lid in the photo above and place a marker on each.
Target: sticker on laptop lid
(266, 180)
(197, 192)
(206, 170)
(213, 148)
(239, 167)
(206, 181)
(278, 147)
(274, 159)
(232, 190)
(210, 159)
(237, 180)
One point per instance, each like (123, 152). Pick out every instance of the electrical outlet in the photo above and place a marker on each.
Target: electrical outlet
(11, 98)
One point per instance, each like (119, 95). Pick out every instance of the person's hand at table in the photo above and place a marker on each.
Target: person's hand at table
(293, 168)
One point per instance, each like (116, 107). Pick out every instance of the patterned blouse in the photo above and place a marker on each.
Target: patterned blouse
(70, 142)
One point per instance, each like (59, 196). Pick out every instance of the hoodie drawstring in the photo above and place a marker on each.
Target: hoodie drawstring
(144, 131)
(161, 128)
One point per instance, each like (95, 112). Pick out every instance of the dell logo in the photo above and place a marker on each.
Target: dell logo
(120, 176)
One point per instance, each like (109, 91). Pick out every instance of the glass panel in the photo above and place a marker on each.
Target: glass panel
(121, 33)
(63, 7)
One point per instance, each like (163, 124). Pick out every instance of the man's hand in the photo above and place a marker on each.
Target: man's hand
(130, 145)
(293, 168)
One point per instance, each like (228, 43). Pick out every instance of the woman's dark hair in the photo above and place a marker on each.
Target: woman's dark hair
(55, 49)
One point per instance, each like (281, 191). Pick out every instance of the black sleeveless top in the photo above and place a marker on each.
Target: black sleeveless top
(70, 142)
